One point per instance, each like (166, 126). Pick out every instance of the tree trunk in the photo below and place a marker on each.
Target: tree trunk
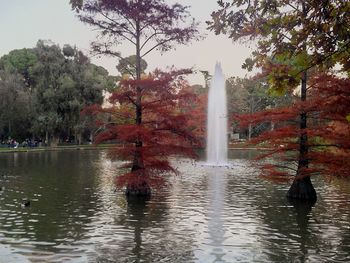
(46, 138)
(91, 137)
(10, 129)
(55, 141)
(79, 138)
(302, 188)
(141, 188)
(250, 131)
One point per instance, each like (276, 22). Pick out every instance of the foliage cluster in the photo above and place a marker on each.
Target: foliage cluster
(294, 38)
(164, 130)
(43, 90)
(328, 131)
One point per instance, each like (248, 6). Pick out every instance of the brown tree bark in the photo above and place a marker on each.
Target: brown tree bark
(142, 188)
(302, 187)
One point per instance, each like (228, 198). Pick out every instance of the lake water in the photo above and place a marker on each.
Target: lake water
(205, 215)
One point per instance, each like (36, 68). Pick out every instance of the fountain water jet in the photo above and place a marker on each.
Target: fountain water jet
(217, 120)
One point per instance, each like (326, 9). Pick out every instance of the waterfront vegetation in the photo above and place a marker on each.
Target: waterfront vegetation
(289, 129)
(52, 95)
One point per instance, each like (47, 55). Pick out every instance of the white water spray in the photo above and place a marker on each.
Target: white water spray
(217, 120)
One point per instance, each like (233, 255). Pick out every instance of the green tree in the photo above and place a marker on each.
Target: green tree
(49, 74)
(289, 43)
(250, 95)
(66, 83)
(127, 66)
(44, 89)
(15, 112)
(17, 82)
(20, 61)
(90, 81)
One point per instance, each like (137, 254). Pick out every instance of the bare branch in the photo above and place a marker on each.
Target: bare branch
(157, 45)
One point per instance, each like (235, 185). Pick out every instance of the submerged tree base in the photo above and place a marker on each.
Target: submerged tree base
(302, 189)
(138, 190)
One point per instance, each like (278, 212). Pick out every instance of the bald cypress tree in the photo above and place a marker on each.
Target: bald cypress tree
(146, 25)
(292, 37)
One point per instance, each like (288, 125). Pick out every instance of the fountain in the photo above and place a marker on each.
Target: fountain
(217, 120)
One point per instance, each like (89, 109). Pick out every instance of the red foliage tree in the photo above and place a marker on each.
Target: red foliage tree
(328, 133)
(289, 45)
(164, 130)
(146, 25)
(198, 117)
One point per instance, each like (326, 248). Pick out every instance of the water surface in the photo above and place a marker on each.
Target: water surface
(205, 215)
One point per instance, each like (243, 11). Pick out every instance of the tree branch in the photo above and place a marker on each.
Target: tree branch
(116, 23)
(149, 38)
(159, 44)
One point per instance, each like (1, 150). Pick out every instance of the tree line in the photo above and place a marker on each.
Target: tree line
(43, 90)
(308, 130)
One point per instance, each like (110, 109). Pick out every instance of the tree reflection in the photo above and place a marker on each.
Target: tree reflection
(149, 235)
(287, 234)
(137, 210)
(302, 211)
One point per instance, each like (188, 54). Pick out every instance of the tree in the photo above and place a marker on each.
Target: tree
(127, 66)
(50, 76)
(89, 82)
(289, 43)
(147, 26)
(163, 131)
(20, 61)
(15, 112)
(66, 83)
(250, 95)
(43, 90)
(328, 131)
(17, 93)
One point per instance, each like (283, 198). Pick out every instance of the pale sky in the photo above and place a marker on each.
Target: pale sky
(24, 22)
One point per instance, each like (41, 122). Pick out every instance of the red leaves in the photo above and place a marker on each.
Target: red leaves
(327, 128)
(163, 132)
(271, 173)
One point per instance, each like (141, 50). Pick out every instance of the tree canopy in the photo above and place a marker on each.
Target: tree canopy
(46, 87)
(288, 46)
(148, 25)
(164, 130)
(292, 36)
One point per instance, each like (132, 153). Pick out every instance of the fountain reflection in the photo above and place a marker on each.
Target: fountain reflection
(216, 228)
(217, 185)
(210, 214)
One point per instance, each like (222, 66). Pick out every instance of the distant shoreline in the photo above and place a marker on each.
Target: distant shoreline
(99, 147)
(56, 148)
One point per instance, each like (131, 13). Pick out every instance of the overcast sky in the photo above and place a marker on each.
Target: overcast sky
(24, 22)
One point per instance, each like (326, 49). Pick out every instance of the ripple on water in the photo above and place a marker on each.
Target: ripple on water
(208, 214)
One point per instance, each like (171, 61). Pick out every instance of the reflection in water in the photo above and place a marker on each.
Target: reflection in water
(206, 215)
(303, 212)
(137, 208)
(216, 193)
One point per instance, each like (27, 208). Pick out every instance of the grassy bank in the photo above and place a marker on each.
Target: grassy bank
(57, 148)
(247, 146)
(236, 146)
